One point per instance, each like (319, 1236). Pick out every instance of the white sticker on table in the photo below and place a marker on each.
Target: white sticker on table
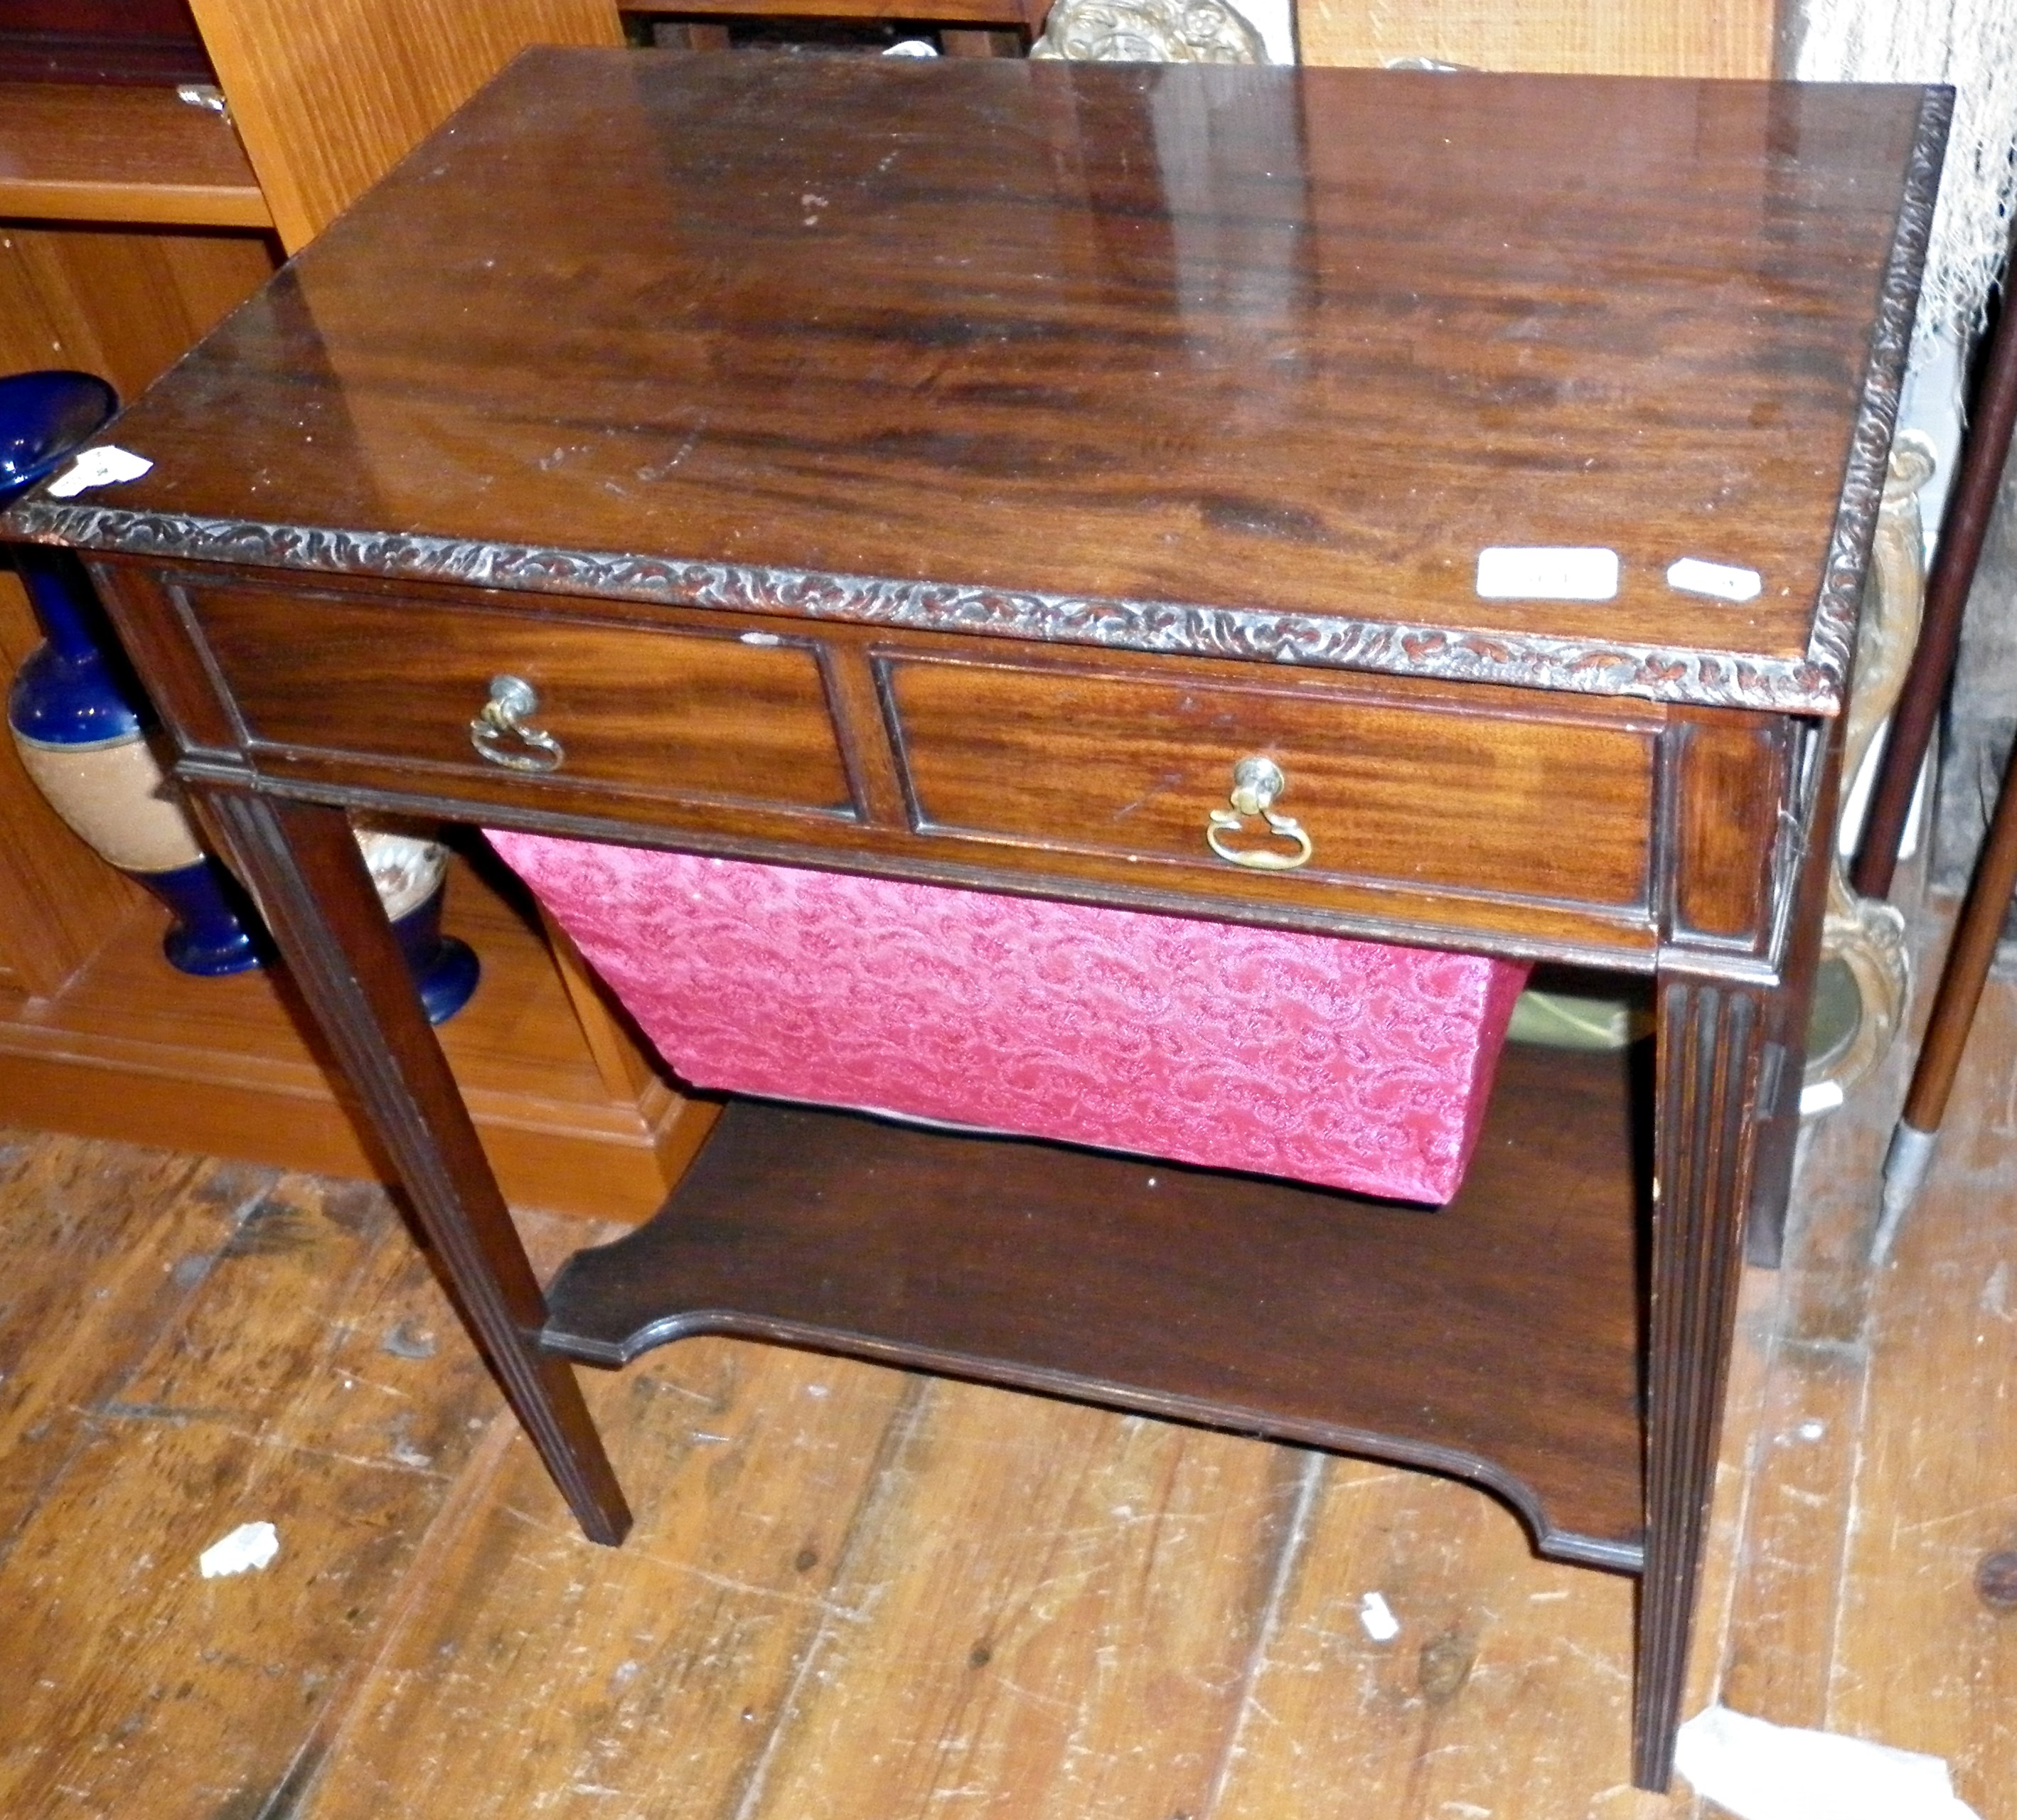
(102, 466)
(1720, 581)
(1541, 572)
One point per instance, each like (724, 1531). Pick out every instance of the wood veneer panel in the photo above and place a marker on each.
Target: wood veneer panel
(58, 901)
(102, 41)
(758, 736)
(124, 303)
(1132, 767)
(1498, 1334)
(329, 98)
(658, 714)
(73, 151)
(993, 375)
(1731, 774)
(1594, 38)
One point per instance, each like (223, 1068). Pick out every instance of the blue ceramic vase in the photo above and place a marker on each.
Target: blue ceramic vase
(410, 874)
(81, 725)
(79, 720)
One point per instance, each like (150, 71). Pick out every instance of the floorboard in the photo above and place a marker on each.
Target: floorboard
(539, 1674)
(102, 1251)
(856, 1594)
(1051, 1600)
(1922, 1661)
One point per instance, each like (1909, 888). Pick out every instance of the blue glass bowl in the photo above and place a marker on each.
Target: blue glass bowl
(43, 417)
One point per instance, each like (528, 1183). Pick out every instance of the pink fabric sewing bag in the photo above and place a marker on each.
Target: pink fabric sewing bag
(1348, 1064)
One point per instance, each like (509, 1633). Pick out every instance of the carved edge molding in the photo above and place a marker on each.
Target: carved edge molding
(1863, 935)
(1709, 679)
(1832, 646)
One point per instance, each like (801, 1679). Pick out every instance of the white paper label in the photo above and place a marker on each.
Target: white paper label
(1820, 1096)
(1545, 572)
(1378, 1618)
(250, 1546)
(1719, 580)
(104, 466)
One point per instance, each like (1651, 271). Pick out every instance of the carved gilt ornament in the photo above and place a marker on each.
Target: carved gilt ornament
(1148, 31)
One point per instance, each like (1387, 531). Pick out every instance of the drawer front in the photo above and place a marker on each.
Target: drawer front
(1385, 793)
(644, 711)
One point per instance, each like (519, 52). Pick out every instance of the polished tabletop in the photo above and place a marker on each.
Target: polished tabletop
(1249, 361)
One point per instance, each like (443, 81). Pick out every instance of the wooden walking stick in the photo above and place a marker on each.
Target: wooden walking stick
(1962, 981)
(1966, 525)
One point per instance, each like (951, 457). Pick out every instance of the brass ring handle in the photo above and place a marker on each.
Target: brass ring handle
(1256, 783)
(502, 735)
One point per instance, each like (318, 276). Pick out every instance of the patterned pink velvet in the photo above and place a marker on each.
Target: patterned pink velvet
(1345, 1063)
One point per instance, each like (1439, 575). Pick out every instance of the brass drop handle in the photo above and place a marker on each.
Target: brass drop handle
(1256, 783)
(503, 735)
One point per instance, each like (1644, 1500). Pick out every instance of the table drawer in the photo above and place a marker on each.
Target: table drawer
(693, 714)
(1383, 791)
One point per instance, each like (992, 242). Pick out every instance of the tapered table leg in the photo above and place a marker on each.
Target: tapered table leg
(1710, 1042)
(301, 864)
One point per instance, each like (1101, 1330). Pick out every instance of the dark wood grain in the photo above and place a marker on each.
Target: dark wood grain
(1711, 1044)
(1446, 796)
(1730, 1053)
(1806, 859)
(971, 346)
(1731, 786)
(982, 12)
(700, 714)
(181, 683)
(1494, 1337)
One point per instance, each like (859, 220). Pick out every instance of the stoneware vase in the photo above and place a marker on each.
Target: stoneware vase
(81, 724)
(79, 720)
(411, 875)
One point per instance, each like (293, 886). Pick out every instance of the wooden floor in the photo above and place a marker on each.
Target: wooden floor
(856, 1594)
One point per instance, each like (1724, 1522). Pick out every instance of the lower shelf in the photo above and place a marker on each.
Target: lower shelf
(1497, 1338)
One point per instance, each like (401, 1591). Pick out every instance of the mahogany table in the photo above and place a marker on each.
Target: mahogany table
(954, 472)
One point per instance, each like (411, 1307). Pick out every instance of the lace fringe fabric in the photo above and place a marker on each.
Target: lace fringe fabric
(1971, 44)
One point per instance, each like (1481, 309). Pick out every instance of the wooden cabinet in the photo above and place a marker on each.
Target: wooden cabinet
(131, 220)
(328, 98)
